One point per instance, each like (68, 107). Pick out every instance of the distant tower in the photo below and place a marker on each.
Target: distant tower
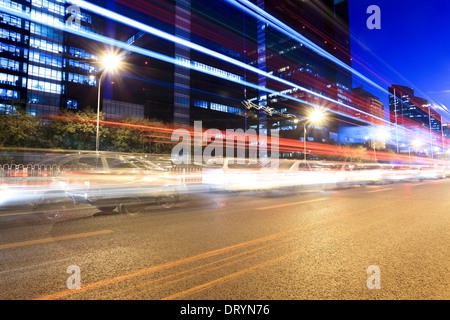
(181, 112)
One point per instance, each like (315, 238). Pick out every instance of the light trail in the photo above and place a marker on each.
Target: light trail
(185, 63)
(260, 14)
(283, 144)
(166, 36)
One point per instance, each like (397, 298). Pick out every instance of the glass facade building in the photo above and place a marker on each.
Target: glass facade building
(38, 63)
(414, 113)
(14, 54)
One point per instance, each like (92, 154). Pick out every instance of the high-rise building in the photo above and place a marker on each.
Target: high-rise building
(325, 23)
(414, 114)
(42, 65)
(14, 51)
(372, 107)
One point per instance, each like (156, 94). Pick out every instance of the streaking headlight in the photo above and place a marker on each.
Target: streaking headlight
(3, 193)
(62, 184)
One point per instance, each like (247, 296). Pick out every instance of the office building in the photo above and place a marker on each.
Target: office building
(415, 113)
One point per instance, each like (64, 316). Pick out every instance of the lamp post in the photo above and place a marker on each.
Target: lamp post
(381, 135)
(315, 117)
(110, 62)
(415, 144)
(428, 106)
(97, 136)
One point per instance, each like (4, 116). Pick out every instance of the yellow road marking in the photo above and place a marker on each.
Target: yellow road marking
(379, 190)
(290, 204)
(241, 272)
(53, 239)
(246, 255)
(204, 255)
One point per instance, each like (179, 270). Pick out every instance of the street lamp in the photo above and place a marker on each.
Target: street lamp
(315, 117)
(415, 144)
(109, 62)
(380, 135)
(429, 128)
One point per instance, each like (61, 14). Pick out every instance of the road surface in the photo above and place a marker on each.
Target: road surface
(374, 242)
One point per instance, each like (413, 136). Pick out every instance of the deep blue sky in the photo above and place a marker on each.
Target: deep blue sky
(412, 48)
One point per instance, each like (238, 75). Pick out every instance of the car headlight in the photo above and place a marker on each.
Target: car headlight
(3, 193)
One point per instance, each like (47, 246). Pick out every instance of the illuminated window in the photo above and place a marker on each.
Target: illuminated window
(9, 94)
(9, 79)
(45, 59)
(10, 20)
(44, 86)
(14, 6)
(45, 45)
(45, 72)
(6, 108)
(72, 104)
(9, 64)
(218, 107)
(79, 53)
(201, 104)
(47, 32)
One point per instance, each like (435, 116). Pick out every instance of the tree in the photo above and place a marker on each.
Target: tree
(20, 129)
(75, 130)
(137, 135)
(354, 153)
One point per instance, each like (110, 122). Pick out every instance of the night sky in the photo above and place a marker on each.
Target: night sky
(412, 48)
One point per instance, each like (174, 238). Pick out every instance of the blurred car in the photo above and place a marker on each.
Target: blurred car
(431, 172)
(305, 174)
(108, 180)
(349, 174)
(403, 173)
(373, 173)
(234, 174)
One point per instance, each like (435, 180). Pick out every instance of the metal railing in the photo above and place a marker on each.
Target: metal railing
(44, 173)
(20, 173)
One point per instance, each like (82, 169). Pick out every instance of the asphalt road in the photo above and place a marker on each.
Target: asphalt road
(309, 245)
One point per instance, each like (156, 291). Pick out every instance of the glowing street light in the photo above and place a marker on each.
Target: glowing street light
(415, 144)
(379, 135)
(315, 117)
(110, 62)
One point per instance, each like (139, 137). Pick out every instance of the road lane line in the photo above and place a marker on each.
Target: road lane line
(53, 239)
(291, 204)
(379, 190)
(241, 272)
(36, 265)
(204, 255)
(159, 267)
(246, 255)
